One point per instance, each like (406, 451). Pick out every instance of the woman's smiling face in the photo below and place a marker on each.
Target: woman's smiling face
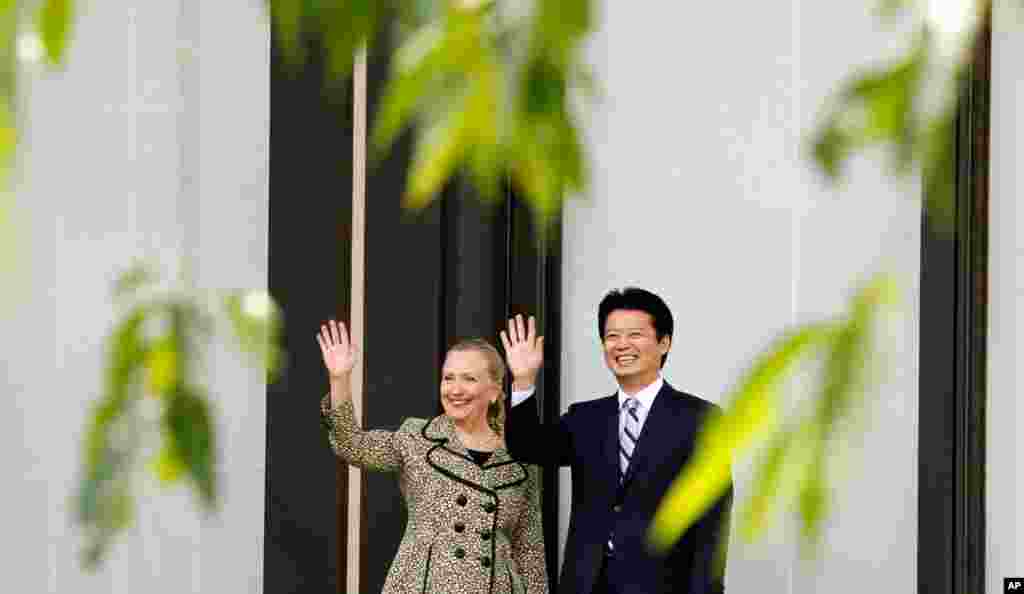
(466, 387)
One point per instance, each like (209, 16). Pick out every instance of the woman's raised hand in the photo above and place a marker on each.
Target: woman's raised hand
(339, 354)
(524, 351)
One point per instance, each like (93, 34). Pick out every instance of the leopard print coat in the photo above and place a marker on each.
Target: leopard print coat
(470, 529)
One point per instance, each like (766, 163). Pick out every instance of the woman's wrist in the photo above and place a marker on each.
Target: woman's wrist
(341, 378)
(341, 387)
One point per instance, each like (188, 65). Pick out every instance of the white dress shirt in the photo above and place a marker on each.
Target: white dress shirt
(645, 398)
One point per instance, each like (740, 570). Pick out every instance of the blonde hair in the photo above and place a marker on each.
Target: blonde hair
(496, 371)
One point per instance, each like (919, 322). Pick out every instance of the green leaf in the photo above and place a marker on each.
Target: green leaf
(939, 158)
(416, 63)
(437, 153)
(831, 148)
(54, 20)
(874, 108)
(124, 363)
(188, 431)
(751, 413)
(163, 366)
(561, 23)
(256, 320)
(10, 236)
(766, 486)
(168, 466)
(103, 499)
(847, 366)
(814, 501)
(8, 138)
(287, 17)
(116, 510)
(347, 26)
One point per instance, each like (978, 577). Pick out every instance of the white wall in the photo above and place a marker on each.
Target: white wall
(1005, 415)
(702, 192)
(151, 144)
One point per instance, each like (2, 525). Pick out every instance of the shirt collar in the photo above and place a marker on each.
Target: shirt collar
(645, 396)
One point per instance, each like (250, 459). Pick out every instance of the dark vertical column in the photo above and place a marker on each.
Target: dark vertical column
(936, 414)
(309, 260)
(954, 302)
(476, 266)
(972, 320)
(534, 287)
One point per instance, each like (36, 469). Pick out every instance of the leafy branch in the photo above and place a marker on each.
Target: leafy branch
(909, 106)
(793, 468)
(28, 30)
(487, 89)
(152, 389)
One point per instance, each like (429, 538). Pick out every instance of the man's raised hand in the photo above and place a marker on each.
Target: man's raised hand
(524, 351)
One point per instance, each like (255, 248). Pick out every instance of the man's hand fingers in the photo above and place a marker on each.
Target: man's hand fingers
(521, 331)
(505, 342)
(531, 334)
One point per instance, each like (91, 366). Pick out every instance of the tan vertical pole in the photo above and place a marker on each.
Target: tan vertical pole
(357, 322)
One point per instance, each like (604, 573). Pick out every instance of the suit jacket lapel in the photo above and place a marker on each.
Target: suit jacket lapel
(662, 428)
(611, 444)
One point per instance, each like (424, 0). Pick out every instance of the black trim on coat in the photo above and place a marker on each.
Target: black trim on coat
(426, 570)
(441, 443)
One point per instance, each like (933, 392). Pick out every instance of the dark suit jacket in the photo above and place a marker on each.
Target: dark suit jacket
(587, 439)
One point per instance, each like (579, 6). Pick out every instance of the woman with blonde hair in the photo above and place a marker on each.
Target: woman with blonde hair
(474, 517)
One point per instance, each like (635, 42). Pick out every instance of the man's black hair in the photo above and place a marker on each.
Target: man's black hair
(639, 300)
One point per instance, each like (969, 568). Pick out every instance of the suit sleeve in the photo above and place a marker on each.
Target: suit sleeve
(528, 539)
(533, 442)
(371, 450)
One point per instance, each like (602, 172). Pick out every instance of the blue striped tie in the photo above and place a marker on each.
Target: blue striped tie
(630, 433)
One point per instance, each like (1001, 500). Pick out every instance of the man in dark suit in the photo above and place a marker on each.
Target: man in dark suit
(624, 451)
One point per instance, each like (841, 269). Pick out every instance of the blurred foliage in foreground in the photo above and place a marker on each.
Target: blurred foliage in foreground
(153, 394)
(793, 472)
(29, 31)
(485, 85)
(910, 107)
(487, 88)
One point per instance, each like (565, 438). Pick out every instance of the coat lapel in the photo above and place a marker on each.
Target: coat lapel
(502, 472)
(450, 457)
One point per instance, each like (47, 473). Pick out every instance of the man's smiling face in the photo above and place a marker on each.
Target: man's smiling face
(632, 350)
